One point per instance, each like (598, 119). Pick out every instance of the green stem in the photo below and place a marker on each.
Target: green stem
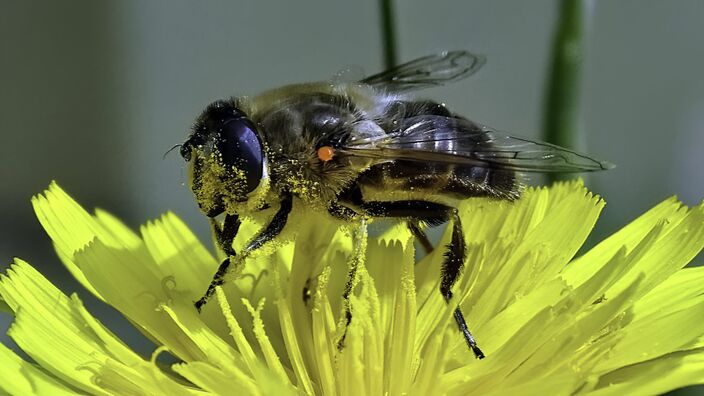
(562, 100)
(388, 32)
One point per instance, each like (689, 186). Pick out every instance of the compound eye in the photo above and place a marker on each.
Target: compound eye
(240, 147)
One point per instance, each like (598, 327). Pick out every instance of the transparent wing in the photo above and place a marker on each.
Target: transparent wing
(460, 141)
(428, 71)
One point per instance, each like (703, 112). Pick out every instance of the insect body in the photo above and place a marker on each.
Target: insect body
(359, 150)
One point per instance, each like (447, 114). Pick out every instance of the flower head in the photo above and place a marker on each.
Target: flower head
(625, 317)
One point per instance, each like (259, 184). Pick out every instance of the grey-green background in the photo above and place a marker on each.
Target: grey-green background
(93, 93)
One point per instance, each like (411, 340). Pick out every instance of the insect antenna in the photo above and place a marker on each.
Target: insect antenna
(163, 157)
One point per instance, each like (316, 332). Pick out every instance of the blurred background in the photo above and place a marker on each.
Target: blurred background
(94, 93)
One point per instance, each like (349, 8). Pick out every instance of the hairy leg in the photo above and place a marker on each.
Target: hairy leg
(420, 236)
(359, 238)
(434, 213)
(451, 269)
(227, 235)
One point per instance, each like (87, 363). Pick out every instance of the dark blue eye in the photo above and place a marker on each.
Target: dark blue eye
(240, 147)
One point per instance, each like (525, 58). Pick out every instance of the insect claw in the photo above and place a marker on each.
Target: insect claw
(471, 342)
(199, 304)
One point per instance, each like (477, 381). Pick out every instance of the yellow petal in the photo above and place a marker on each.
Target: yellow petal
(61, 336)
(19, 377)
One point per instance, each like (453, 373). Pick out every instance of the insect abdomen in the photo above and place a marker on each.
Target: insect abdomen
(457, 181)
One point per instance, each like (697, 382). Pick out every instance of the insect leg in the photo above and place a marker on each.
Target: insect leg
(430, 213)
(451, 268)
(224, 236)
(341, 212)
(270, 232)
(420, 236)
(359, 238)
(275, 226)
(226, 233)
(434, 214)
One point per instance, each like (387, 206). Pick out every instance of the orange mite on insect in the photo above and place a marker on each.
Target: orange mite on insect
(326, 153)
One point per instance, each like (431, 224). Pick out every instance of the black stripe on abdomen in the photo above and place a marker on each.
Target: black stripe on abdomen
(459, 181)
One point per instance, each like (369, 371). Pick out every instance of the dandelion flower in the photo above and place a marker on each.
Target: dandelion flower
(623, 318)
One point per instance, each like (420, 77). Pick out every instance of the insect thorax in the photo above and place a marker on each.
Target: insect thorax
(292, 131)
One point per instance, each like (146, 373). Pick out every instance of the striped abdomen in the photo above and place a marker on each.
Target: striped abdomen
(425, 177)
(454, 180)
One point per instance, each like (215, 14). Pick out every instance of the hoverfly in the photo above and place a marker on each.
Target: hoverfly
(365, 149)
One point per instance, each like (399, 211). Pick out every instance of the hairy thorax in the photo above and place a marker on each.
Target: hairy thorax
(294, 129)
